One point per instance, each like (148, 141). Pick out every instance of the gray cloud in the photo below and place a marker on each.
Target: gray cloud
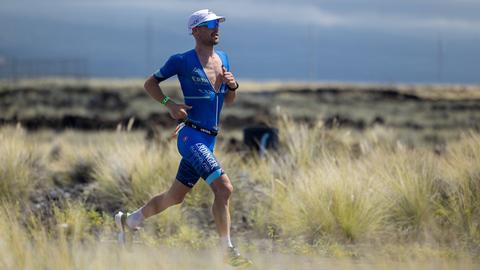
(388, 15)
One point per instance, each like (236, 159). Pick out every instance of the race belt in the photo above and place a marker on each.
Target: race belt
(189, 123)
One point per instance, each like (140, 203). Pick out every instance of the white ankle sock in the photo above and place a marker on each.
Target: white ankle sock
(226, 242)
(135, 219)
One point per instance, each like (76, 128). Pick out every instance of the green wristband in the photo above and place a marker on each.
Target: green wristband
(165, 100)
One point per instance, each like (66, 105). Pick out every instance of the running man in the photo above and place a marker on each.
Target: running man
(206, 84)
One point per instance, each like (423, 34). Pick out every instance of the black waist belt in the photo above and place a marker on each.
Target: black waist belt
(201, 129)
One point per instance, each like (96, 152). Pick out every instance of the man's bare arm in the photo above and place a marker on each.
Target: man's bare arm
(153, 89)
(230, 97)
(229, 79)
(177, 111)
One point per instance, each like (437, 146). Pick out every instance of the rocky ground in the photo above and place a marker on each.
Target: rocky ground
(432, 115)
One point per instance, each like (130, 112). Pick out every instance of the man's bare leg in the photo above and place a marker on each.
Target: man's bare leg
(222, 188)
(158, 203)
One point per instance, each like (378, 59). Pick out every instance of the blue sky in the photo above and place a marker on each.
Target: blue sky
(343, 40)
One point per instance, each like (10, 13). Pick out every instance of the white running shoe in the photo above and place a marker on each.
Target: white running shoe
(121, 222)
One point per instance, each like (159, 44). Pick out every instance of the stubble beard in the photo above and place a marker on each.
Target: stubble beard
(211, 42)
(214, 39)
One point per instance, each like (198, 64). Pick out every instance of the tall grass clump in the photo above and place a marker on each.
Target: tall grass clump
(22, 166)
(460, 169)
(407, 179)
(72, 165)
(128, 173)
(73, 238)
(317, 189)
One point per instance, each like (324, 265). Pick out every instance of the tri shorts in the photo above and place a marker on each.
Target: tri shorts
(198, 159)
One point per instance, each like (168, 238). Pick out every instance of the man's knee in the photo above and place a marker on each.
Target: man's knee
(222, 187)
(175, 196)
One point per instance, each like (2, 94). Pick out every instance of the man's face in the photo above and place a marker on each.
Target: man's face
(206, 36)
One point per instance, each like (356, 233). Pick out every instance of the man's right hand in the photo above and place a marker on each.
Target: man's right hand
(178, 111)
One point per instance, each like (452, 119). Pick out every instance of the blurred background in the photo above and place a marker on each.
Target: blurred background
(381, 41)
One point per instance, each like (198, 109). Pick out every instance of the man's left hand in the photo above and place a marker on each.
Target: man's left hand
(228, 78)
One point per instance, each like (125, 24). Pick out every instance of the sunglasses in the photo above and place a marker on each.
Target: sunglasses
(210, 24)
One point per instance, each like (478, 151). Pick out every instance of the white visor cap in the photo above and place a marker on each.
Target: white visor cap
(201, 16)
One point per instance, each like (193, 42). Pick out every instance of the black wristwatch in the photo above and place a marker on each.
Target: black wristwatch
(233, 89)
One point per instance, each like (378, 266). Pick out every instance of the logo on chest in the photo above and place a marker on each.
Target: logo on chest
(198, 77)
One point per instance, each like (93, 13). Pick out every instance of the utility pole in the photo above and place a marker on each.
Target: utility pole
(312, 52)
(440, 59)
(148, 45)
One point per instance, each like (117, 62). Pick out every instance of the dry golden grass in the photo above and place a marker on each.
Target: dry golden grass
(326, 194)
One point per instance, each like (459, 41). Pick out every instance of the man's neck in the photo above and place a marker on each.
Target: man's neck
(204, 51)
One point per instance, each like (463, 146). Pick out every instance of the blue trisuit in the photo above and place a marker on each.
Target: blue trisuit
(195, 146)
